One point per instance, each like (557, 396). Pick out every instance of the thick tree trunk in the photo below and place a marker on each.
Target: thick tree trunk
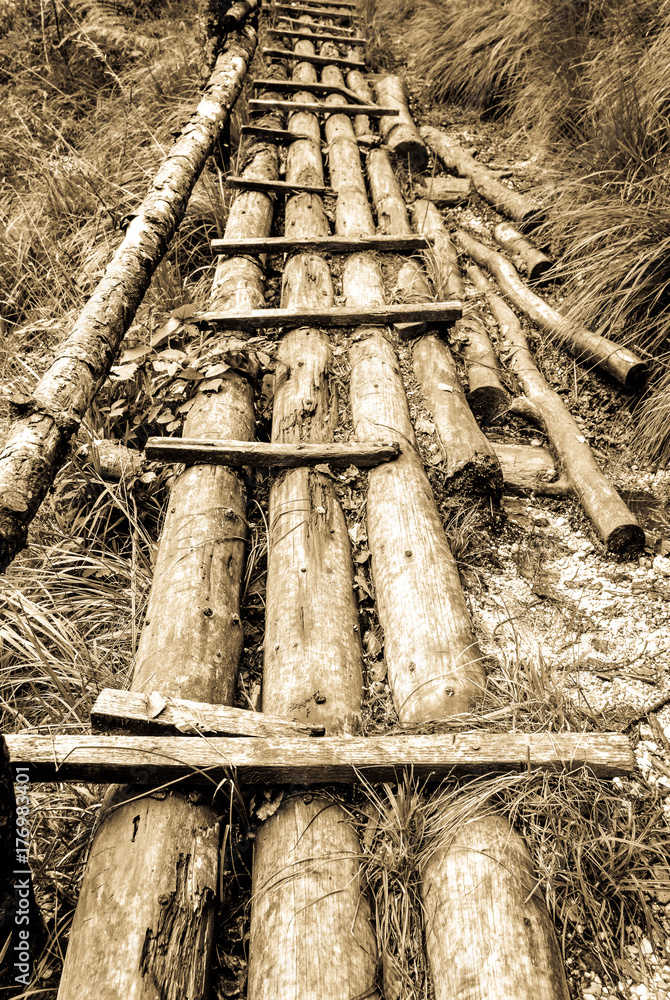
(144, 924)
(357, 82)
(486, 397)
(536, 263)
(400, 134)
(308, 915)
(520, 207)
(626, 367)
(610, 516)
(44, 423)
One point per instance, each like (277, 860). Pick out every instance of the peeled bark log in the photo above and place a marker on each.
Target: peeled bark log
(527, 469)
(389, 205)
(627, 368)
(400, 134)
(442, 256)
(308, 913)
(535, 262)
(520, 207)
(610, 516)
(412, 286)
(488, 932)
(357, 82)
(43, 425)
(444, 191)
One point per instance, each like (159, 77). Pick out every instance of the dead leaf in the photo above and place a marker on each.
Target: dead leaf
(424, 426)
(155, 704)
(164, 332)
(269, 808)
(135, 353)
(183, 312)
(362, 556)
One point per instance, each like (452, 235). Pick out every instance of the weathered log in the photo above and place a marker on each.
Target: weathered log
(315, 27)
(312, 656)
(326, 244)
(520, 207)
(281, 135)
(39, 436)
(303, 86)
(537, 263)
(412, 286)
(610, 516)
(112, 459)
(215, 24)
(528, 469)
(400, 134)
(287, 759)
(442, 257)
(340, 15)
(357, 82)
(260, 453)
(371, 110)
(137, 713)
(314, 59)
(152, 880)
(289, 33)
(276, 187)
(627, 368)
(488, 931)
(329, 315)
(443, 191)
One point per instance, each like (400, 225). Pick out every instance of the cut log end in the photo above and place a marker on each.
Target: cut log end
(487, 402)
(480, 478)
(626, 539)
(636, 377)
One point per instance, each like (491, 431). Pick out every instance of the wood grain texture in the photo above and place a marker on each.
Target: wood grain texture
(432, 312)
(132, 712)
(261, 453)
(488, 934)
(536, 262)
(313, 761)
(323, 37)
(325, 244)
(313, 107)
(613, 359)
(610, 516)
(307, 87)
(400, 135)
(527, 469)
(276, 187)
(317, 60)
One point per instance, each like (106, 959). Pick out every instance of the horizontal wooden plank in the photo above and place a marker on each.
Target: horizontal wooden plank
(324, 244)
(343, 4)
(259, 319)
(315, 60)
(194, 451)
(309, 36)
(133, 712)
(277, 187)
(317, 30)
(305, 761)
(372, 111)
(281, 135)
(340, 15)
(298, 86)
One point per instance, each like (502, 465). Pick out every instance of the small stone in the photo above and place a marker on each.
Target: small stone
(594, 990)
(641, 991)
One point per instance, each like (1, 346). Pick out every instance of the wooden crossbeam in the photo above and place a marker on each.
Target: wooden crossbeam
(259, 319)
(324, 244)
(298, 86)
(133, 712)
(341, 15)
(353, 40)
(193, 451)
(257, 104)
(343, 4)
(329, 759)
(343, 31)
(277, 187)
(315, 60)
(280, 135)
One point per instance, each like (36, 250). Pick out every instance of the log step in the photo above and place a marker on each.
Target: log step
(342, 759)
(354, 40)
(315, 60)
(277, 187)
(324, 244)
(344, 15)
(281, 135)
(259, 319)
(371, 110)
(299, 86)
(350, 5)
(117, 711)
(195, 451)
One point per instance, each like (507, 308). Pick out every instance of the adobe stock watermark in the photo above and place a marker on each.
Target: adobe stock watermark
(22, 891)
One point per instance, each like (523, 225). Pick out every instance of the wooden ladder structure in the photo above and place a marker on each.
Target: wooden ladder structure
(145, 921)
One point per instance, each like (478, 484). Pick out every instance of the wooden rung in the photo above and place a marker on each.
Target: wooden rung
(257, 104)
(297, 86)
(353, 40)
(140, 759)
(324, 244)
(343, 4)
(343, 31)
(315, 60)
(341, 15)
(281, 135)
(142, 714)
(278, 187)
(195, 451)
(259, 319)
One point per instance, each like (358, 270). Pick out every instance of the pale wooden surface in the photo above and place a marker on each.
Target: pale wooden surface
(431, 312)
(284, 760)
(281, 187)
(326, 244)
(134, 712)
(610, 516)
(285, 8)
(303, 86)
(290, 33)
(400, 135)
(314, 59)
(256, 104)
(488, 933)
(617, 361)
(444, 190)
(528, 469)
(537, 263)
(261, 453)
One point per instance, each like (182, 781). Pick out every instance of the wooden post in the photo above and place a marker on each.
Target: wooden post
(536, 263)
(610, 516)
(401, 134)
(42, 427)
(144, 924)
(617, 361)
(308, 914)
